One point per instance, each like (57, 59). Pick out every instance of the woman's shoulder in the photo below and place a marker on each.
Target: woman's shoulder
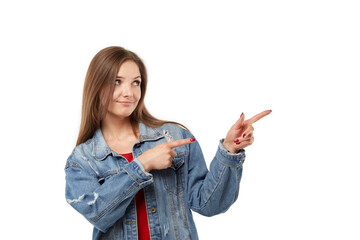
(172, 125)
(81, 151)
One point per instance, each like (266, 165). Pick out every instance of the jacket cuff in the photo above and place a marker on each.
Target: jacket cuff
(228, 158)
(137, 172)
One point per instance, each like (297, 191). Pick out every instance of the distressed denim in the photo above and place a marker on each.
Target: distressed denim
(101, 185)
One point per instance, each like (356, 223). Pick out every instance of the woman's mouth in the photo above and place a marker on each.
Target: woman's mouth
(125, 103)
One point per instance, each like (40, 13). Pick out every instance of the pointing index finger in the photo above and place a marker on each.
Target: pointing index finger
(181, 142)
(259, 116)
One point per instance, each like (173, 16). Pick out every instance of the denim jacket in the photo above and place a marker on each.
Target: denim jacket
(101, 185)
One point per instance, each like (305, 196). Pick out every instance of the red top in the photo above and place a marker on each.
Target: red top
(142, 220)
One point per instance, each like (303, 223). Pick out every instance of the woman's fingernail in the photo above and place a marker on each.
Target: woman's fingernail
(244, 135)
(192, 139)
(241, 114)
(236, 140)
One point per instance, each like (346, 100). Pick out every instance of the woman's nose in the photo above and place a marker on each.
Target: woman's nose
(126, 91)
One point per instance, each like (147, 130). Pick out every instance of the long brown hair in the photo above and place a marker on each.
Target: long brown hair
(98, 88)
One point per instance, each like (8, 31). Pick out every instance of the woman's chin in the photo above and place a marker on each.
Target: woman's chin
(120, 115)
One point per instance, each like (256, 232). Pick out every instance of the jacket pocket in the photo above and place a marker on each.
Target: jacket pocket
(173, 176)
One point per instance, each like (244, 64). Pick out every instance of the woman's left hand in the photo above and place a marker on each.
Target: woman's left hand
(240, 134)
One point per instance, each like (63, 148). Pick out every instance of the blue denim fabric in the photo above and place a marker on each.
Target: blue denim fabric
(101, 185)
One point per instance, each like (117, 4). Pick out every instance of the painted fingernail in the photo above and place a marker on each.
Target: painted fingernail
(244, 135)
(241, 114)
(192, 139)
(236, 140)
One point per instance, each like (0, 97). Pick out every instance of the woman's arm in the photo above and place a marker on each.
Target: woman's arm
(213, 192)
(102, 204)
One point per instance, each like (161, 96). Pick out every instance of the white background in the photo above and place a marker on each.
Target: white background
(207, 62)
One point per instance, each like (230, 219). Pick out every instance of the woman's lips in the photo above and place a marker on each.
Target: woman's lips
(125, 103)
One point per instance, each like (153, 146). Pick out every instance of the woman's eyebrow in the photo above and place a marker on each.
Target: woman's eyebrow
(123, 77)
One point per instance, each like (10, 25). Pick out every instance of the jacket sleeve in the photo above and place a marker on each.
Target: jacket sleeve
(210, 192)
(102, 204)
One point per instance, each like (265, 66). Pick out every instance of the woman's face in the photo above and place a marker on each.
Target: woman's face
(127, 90)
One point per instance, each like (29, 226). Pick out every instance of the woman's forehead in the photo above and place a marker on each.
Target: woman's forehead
(129, 66)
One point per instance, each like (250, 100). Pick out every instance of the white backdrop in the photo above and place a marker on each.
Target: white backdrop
(207, 62)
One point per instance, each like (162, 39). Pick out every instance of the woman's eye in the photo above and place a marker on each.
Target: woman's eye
(137, 83)
(117, 82)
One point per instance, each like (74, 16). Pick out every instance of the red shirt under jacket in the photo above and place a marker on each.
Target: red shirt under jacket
(142, 220)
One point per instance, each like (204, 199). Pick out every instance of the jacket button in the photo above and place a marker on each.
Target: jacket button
(153, 210)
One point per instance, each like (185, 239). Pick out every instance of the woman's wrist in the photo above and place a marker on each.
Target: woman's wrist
(229, 147)
(145, 164)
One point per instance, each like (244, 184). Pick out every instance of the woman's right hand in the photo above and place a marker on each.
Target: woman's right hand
(160, 157)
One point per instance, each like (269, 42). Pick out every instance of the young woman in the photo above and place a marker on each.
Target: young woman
(137, 177)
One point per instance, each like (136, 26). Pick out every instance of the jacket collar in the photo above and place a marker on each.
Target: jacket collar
(101, 150)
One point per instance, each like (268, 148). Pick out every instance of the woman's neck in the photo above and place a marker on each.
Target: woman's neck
(115, 128)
